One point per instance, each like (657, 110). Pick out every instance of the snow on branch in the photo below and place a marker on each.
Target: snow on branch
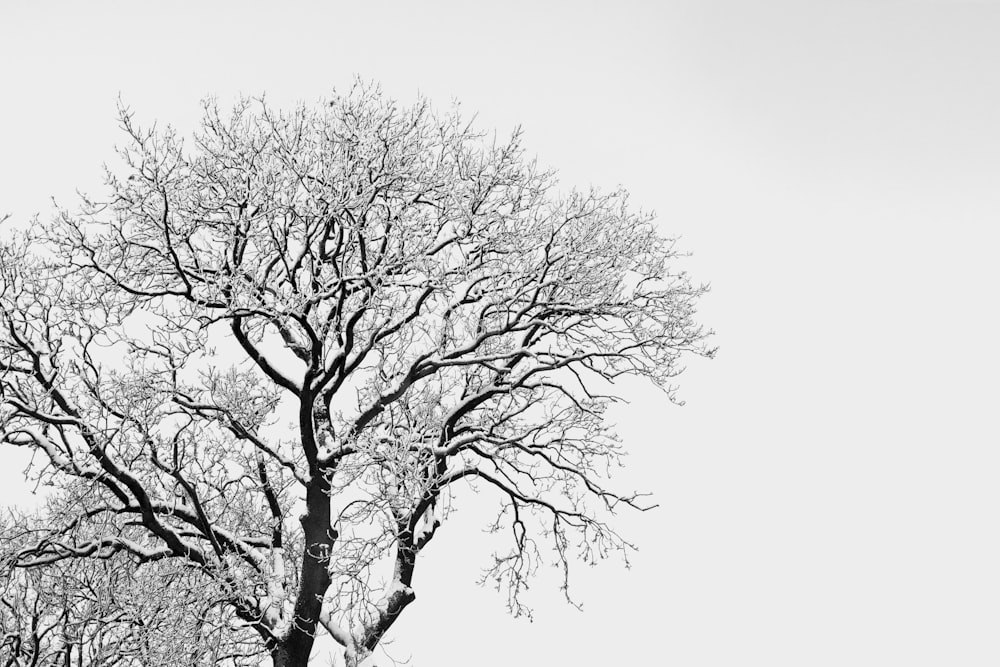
(273, 355)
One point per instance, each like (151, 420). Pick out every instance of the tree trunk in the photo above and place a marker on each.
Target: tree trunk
(293, 650)
(291, 655)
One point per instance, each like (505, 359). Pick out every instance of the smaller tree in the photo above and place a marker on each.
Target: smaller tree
(109, 610)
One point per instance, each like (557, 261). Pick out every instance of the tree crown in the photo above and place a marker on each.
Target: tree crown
(424, 306)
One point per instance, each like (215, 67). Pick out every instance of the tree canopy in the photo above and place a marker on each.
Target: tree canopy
(266, 359)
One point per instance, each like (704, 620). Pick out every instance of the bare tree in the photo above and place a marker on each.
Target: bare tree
(272, 354)
(112, 611)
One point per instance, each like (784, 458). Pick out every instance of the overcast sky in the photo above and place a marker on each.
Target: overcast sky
(829, 494)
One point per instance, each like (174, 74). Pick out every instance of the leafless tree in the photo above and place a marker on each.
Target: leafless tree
(266, 361)
(106, 612)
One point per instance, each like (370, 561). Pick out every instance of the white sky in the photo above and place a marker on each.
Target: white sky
(829, 494)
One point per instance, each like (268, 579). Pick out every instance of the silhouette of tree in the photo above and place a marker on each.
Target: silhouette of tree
(423, 306)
